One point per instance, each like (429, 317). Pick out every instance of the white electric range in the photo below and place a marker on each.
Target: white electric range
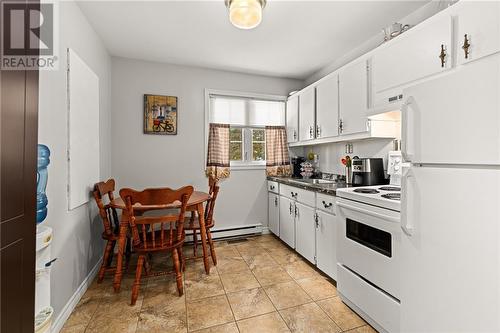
(369, 237)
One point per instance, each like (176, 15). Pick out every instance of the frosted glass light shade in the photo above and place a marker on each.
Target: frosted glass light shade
(246, 14)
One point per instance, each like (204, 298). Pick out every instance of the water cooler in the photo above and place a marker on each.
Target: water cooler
(44, 260)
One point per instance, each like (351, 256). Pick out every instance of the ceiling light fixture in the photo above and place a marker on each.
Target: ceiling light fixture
(245, 14)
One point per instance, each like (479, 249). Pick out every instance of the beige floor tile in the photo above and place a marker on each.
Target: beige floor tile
(300, 270)
(74, 329)
(226, 328)
(363, 329)
(259, 260)
(83, 312)
(287, 294)
(318, 287)
(226, 252)
(308, 318)
(163, 311)
(208, 312)
(341, 313)
(250, 303)
(239, 281)
(284, 257)
(123, 324)
(231, 265)
(268, 323)
(249, 249)
(271, 275)
(205, 286)
(195, 269)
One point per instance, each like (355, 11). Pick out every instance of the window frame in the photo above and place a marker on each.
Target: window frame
(237, 165)
(247, 161)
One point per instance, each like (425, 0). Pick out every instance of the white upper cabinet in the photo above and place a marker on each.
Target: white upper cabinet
(422, 51)
(478, 29)
(292, 118)
(307, 110)
(353, 95)
(327, 107)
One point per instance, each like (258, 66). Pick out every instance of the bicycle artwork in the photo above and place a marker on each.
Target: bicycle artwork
(160, 114)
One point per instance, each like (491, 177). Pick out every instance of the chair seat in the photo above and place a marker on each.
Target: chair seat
(194, 223)
(158, 244)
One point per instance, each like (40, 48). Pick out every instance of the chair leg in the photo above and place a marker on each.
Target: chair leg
(212, 247)
(178, 272)
(111, 253)
(195, 243)
(128, 253)
(105, 259)
(137, 281)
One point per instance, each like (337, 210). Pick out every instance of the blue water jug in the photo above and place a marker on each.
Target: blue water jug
(41, 184)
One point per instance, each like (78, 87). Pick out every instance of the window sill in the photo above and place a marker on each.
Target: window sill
(247, 167)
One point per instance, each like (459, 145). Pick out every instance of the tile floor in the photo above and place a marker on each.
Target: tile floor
(259, 285)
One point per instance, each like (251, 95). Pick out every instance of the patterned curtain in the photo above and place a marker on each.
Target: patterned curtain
(277, 158)
(218, 152)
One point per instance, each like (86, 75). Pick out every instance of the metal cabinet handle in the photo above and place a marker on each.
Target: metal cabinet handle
(318, 131)
(294, 134)
(311, 133)
(296, 211)
(316, 220)
(276, 201)
(272, 187)
(327, 205)
(442, 55)
(341, 126)
(290, 208)
(466, 46)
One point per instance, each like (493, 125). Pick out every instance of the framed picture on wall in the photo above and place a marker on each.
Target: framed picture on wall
(160, 114)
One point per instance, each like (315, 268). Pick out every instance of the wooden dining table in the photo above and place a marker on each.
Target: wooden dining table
(195, 203)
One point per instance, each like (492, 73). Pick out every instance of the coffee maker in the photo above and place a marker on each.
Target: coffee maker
(368, 171)
(296, 161)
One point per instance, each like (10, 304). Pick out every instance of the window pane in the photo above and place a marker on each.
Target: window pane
(235, 151)
(258, 135)
(259, 151)
(235, 134)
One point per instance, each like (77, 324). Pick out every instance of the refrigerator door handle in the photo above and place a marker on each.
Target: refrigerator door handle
(406, 224)
(405, 128)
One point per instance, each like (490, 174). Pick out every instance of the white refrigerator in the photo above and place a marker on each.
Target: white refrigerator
(450, 205)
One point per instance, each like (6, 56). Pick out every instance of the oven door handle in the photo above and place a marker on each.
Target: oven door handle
(366, 211)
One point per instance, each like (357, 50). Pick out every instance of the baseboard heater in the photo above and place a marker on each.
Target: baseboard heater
(238, 231)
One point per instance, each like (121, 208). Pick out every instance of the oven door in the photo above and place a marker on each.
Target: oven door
(369, 238)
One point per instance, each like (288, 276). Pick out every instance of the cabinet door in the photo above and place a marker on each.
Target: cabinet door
(274, 213)
(479, 23)
(287, 221)
(307, 108)
(327, 108)
(292, 119)
(413, 55)
(353, 95)
(305, 233)
(326, 243)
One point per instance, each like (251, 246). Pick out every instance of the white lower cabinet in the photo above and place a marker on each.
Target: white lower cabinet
(287, 221)
(305, 232)
(274, 213)
(326, 241)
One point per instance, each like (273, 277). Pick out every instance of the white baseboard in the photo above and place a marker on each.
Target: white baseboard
(58, 324)
(236, 231)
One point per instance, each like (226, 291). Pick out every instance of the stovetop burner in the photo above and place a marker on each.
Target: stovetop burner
(389, 188)
(392, 196)
(366, 190)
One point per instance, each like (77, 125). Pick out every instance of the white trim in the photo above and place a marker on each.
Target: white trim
(73, 301)
(240, 230)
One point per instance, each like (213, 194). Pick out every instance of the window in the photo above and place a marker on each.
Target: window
(247, 115)
(247, 146)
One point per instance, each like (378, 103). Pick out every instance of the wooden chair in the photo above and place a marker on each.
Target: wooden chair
(111, 224)
(153, 234)
(192, 223)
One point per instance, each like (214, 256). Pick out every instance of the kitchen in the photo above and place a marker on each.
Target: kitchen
(352, 164)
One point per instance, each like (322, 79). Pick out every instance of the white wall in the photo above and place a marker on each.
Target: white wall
(77, 243)
(140, 160)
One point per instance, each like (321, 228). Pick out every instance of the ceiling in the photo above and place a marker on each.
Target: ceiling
(294, 40)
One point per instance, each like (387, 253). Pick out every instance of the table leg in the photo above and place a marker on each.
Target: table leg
(203, 236)
(121, 250)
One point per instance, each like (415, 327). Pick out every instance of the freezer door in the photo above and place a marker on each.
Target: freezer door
(450, 259)
(455, 119)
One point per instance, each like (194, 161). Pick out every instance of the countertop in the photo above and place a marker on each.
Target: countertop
(330, 189)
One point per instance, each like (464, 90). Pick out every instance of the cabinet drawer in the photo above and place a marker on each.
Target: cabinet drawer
(304, 196)
(325, 203)
(273, 186)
